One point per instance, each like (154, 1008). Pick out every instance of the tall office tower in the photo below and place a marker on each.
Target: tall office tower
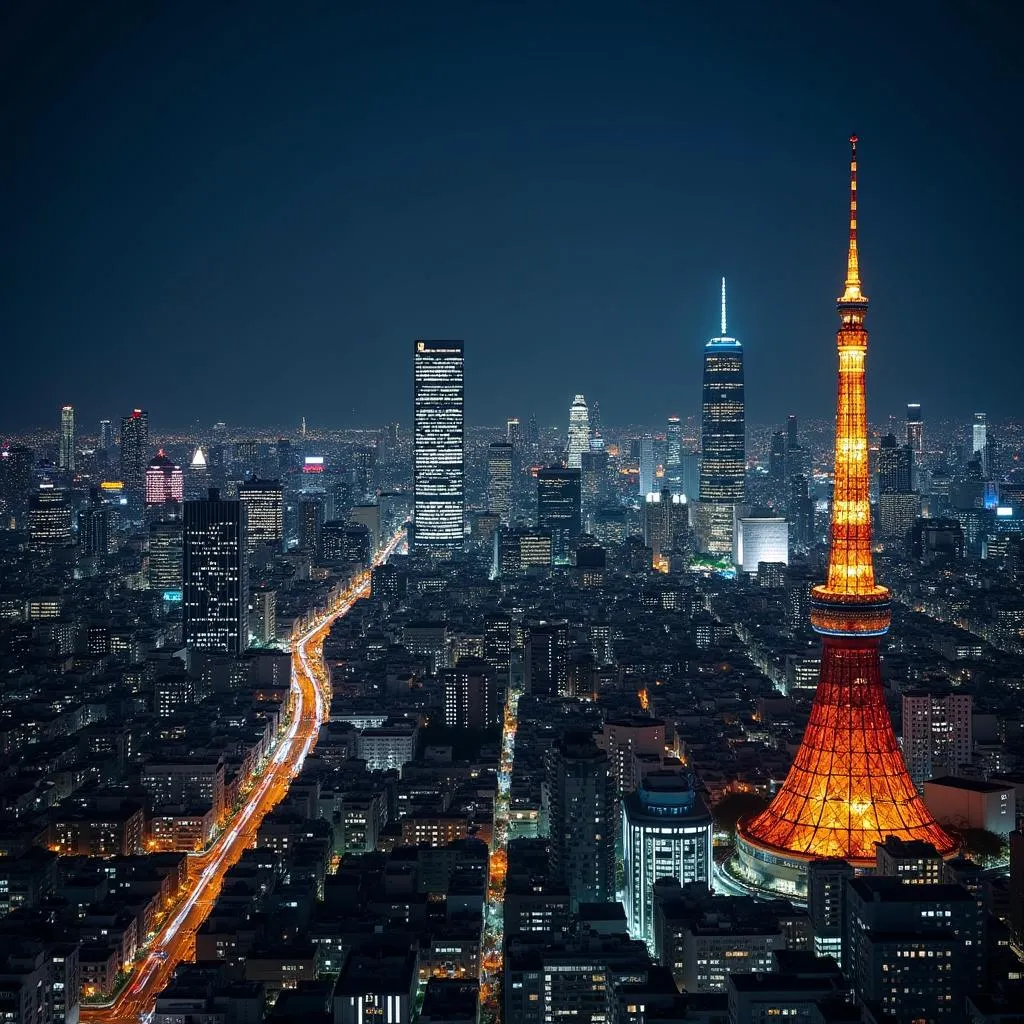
(559, 508)
(514, 432)
(797, 460)
(286, 458)
(895, 466)
(215, 575)
(49, 519)
(800, 513)
(915, 428)
(666, 833)
(723, 441)
(581, 819)
(263, 615)
(826, 897)
(94, 527)
(106, 439)
(546, 659)
(646, 465)
(691, 474)
(245, 458)
(937, 732)
(848, 787)
(134, 450)
(498, 647)
(197, 482)
(593, 482)
(500, 478)
(311, 525)
(66, 453)
(674, 454)
(470, 695)
(979, 439)
(164, 480)
(579, 432)
(166, 554)
(666, 522)
(439, 447)
(363, 471)
(777, 457)
(264, 506)
(898, 504)
(595, 420)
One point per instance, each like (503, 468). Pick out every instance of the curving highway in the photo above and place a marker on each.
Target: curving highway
(174, 940)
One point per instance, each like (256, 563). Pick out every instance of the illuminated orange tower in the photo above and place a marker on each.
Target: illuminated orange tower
(849, 787)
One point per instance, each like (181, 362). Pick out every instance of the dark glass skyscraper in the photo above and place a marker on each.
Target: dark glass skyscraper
(581, 819)
(439, 442)
(674, 454)
(915, 427)
(723, 441)
(135, 450)
(558, 508)
(500, 479)
(215, 575)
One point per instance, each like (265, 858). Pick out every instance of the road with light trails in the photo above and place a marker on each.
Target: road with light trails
(310, 707)
(494, 926)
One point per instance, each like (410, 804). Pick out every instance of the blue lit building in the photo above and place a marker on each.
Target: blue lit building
(666, 833)
(723, 442)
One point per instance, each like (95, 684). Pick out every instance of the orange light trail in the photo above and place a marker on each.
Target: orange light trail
(174, 942)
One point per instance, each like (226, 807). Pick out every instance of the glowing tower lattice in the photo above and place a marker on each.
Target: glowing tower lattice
(848, 787)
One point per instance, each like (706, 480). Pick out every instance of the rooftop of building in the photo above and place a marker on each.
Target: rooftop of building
(917, 848)
(377, 967)
(448, 1000)
(877, 889)
(973, 785)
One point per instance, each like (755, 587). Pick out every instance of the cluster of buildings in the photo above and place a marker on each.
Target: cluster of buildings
(617, 738)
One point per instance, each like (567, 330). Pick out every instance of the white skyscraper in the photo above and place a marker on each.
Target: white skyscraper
(439, 446)
(579, 432)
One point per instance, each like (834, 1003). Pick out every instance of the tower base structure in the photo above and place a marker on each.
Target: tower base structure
(848, 788)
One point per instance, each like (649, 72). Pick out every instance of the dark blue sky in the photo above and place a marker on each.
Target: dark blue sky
(248, 211)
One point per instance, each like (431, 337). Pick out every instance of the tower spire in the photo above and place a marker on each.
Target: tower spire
(853, 292)
(724, 321)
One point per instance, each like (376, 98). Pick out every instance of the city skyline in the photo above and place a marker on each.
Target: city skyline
(280, 241)
(497, 636)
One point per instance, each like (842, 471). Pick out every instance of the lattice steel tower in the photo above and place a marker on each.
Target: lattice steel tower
(848, 787)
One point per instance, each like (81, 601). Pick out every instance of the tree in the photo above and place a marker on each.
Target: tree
(728, 811)
(979, 844)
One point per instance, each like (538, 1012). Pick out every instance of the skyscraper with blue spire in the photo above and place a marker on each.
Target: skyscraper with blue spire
(723, 441)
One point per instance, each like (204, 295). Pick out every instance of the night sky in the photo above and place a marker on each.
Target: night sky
(247, 211)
